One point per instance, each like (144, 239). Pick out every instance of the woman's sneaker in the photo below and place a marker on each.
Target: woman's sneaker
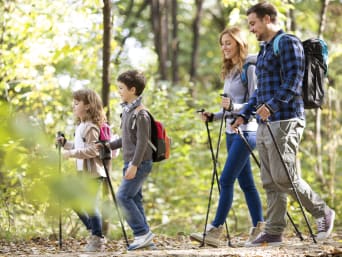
(265, 239)
(255, 231)
(212, 236)
(95, 243)
(325, 225)
(141, 241)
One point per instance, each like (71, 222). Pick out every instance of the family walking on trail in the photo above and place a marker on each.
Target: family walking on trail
(262, 106)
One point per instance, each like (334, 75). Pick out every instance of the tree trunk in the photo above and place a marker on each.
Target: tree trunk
(195, 42)
(175, 42)
(107, 27)
(318, 112)
(159, 13)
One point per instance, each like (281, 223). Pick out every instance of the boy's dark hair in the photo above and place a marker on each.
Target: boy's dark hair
(262, 9)
(133, 78)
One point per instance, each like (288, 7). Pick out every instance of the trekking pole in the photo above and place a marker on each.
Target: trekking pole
(293, 186)
(298, 233)
(212, 185)
(59, 146)
(105, 154)
(216, 162)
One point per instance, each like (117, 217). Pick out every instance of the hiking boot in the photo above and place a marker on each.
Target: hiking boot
(95, 243)
(325, 225)
(265, 239)
(255, 231)
(141, 241)
(212, 236)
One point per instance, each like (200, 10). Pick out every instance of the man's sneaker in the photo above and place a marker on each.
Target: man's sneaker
(95, 243)
(141, 241)
(255, 231)
(265, 239)
(212, 236)
(325, 225)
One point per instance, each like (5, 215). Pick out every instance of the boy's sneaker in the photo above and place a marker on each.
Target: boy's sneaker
(265, 239)
(325, 225)
(95, 243)
(141, 241)
(255, 231)
(212, 236)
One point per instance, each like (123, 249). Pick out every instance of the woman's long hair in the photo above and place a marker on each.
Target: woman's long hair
(227, 64)
(95, 112)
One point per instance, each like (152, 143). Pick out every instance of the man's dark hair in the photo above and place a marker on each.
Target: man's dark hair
(133, 78)
(263, 9)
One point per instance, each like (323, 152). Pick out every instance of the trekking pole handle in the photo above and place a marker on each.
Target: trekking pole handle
(59, 143)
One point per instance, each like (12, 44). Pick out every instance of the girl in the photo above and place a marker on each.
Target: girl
(237, 166)
(87, 107)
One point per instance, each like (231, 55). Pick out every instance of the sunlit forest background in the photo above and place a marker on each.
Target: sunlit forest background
(50, 48)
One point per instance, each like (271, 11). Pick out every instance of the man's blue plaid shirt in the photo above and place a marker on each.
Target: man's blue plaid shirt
(279, 80)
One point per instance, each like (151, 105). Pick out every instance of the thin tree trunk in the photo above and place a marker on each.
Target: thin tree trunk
(107, 27)
(318, 112)
(164, 40)
(195, 42)
(159, 13)
(175, 42)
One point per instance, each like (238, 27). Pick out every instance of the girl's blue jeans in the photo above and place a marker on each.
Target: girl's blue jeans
(130, 199)
(238, 166)
(92, 219)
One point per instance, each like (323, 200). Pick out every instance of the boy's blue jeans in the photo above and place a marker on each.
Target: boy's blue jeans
(238, 166)
(130, 199)
(92, 220)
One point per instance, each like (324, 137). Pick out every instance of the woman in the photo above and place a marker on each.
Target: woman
(238, 166)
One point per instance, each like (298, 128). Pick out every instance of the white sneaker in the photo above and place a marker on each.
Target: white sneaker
(141, 241)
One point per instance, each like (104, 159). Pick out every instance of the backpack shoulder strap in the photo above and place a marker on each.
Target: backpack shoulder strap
(136, 111)
(87, 129)
(276, 43)
(250, 60)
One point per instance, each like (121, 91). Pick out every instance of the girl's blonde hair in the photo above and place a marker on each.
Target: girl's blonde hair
(227, 64)
(95, 112)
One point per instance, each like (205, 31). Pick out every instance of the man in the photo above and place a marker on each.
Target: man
(278, 101)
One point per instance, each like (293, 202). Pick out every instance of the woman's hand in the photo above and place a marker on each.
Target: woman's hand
(226, 103)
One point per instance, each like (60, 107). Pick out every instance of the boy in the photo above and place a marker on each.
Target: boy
(137, 155)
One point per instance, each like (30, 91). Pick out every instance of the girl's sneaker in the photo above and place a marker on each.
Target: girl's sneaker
(95, 243)
(141, 241)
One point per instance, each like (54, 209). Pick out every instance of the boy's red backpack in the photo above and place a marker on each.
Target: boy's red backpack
(159, 141)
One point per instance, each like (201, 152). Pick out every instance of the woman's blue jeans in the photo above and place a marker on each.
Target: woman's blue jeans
(238, 166)
(130, 199)
(92, 219)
